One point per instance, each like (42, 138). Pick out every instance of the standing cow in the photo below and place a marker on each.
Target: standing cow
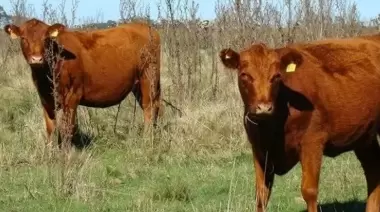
(308, 100)
(95, 69)
(31, 35)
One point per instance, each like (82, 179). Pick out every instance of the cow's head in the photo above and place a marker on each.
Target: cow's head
(260, 73)
(31, 35)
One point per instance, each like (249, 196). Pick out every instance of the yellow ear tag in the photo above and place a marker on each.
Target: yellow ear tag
(291, 67)
(54, 33)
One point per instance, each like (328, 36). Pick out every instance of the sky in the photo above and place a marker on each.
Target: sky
(110, 8)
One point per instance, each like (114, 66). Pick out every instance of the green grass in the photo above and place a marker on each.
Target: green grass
(198, 162)
(112, 182)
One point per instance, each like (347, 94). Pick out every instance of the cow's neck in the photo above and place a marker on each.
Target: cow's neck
(268, 139)
(42, 80)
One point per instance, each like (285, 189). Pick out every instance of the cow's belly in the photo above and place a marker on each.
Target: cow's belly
(106, 95)
(107, 84)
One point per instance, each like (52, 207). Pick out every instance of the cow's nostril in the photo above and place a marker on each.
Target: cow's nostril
(264, 108)
(36, 59)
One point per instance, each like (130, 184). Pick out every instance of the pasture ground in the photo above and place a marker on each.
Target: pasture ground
(198, 162)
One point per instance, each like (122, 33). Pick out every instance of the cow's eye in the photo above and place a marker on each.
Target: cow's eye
(246, 77)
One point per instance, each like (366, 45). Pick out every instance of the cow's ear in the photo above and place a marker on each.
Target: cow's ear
(290, 59)
(230, 58)
(12, 30)
(54, 30)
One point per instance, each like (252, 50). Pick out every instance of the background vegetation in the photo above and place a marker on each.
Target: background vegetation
(198, 162)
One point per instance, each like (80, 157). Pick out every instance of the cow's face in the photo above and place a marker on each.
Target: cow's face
(31, 35)
(260, 72)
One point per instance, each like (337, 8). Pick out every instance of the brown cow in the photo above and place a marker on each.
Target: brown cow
(308, 100)
(31, 34)
(99, 69)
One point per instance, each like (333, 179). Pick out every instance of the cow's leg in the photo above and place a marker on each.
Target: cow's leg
(149, 97)
(264, 182)
(67, 123)
(369, 158)
(311, 160)
(49, 117)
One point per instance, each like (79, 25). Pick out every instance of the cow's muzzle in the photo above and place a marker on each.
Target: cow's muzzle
(264, 109)
(36, 60)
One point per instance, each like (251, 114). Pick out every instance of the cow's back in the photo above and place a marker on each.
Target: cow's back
(129, 36)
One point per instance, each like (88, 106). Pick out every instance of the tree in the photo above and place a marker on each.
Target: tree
(4, 17)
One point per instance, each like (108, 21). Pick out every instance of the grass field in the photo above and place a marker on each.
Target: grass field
(198, 162)
(201, 161)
